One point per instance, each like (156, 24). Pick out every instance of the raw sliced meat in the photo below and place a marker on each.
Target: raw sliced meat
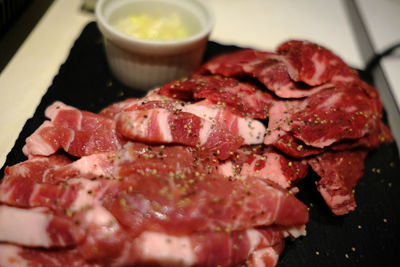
(163, 126)
(252, 131)
(152, 248)
(162, 181)
(115, 214)
(380, 135)
(43, 229)
(36, 168)
(58, 167)
(275, 169)
(78, 132)
(198, 193)
(340, 171)
(333, 115)
(16, 256)
(197, 199)
(268, 68)
(313, 64)
(273, 73)
(242, 98)
(237, 63)
(293, 147)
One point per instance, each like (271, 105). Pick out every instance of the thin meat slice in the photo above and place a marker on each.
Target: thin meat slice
(237, 63)
(112, 110)
(58, 167)
(275, 169)
(313, 64)
(129, 104)
(268, 68)
(335, 114)
(278, 132)
(293, 147)
(144, 193)
(243, 98)
(273, 73)
(381, 134)
(17, 256)
(340, 171)
(87, 167)
(187, 202)
(153, 248)
(164, 126)
(198, 249)
(62, 198)
(252, 131)
(36, 168)
(79, 133)
(43, 230)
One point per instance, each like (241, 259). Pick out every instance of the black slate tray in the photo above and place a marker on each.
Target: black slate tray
(369, 236)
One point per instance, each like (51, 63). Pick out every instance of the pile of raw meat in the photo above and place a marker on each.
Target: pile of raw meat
(199, 172)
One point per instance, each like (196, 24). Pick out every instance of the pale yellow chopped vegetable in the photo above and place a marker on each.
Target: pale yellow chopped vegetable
(154, 27)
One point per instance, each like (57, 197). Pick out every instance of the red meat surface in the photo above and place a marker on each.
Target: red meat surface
(200, 172)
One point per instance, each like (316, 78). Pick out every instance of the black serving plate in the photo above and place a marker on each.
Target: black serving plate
(369, 236)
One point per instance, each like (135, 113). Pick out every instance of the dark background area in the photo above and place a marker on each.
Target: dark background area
(17, 19)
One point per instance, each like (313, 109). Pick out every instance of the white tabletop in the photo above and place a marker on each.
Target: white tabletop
(253, 23)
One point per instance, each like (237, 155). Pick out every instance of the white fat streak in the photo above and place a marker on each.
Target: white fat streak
(52, 111)
(24, 226)
(251, 130)
(5, 192)
(343, 79)
(226, 169)
(91, 164)
(330, 101)
(333, 200)
(248, 128)
(165, 248)
(208, 114)
(10, 256)
(276, 120)
(80, 121)
(66, 148)
(105, 222)
(162, 119)
(293, 73)
(35, 191)
(319, 67)
(205, 132)
(137, 124)
(84, 198)
(202, 111)
(278, 205)
(321, 143)
(296, 231)
(21, 170)
(254, 237)
(272, 170)
(36, 145)
(259, 255)
(249, 67)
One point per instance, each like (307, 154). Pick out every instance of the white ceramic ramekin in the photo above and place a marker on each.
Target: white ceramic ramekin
(145, 64)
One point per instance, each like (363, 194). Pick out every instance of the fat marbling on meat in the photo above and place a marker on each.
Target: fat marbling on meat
(200, 172)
